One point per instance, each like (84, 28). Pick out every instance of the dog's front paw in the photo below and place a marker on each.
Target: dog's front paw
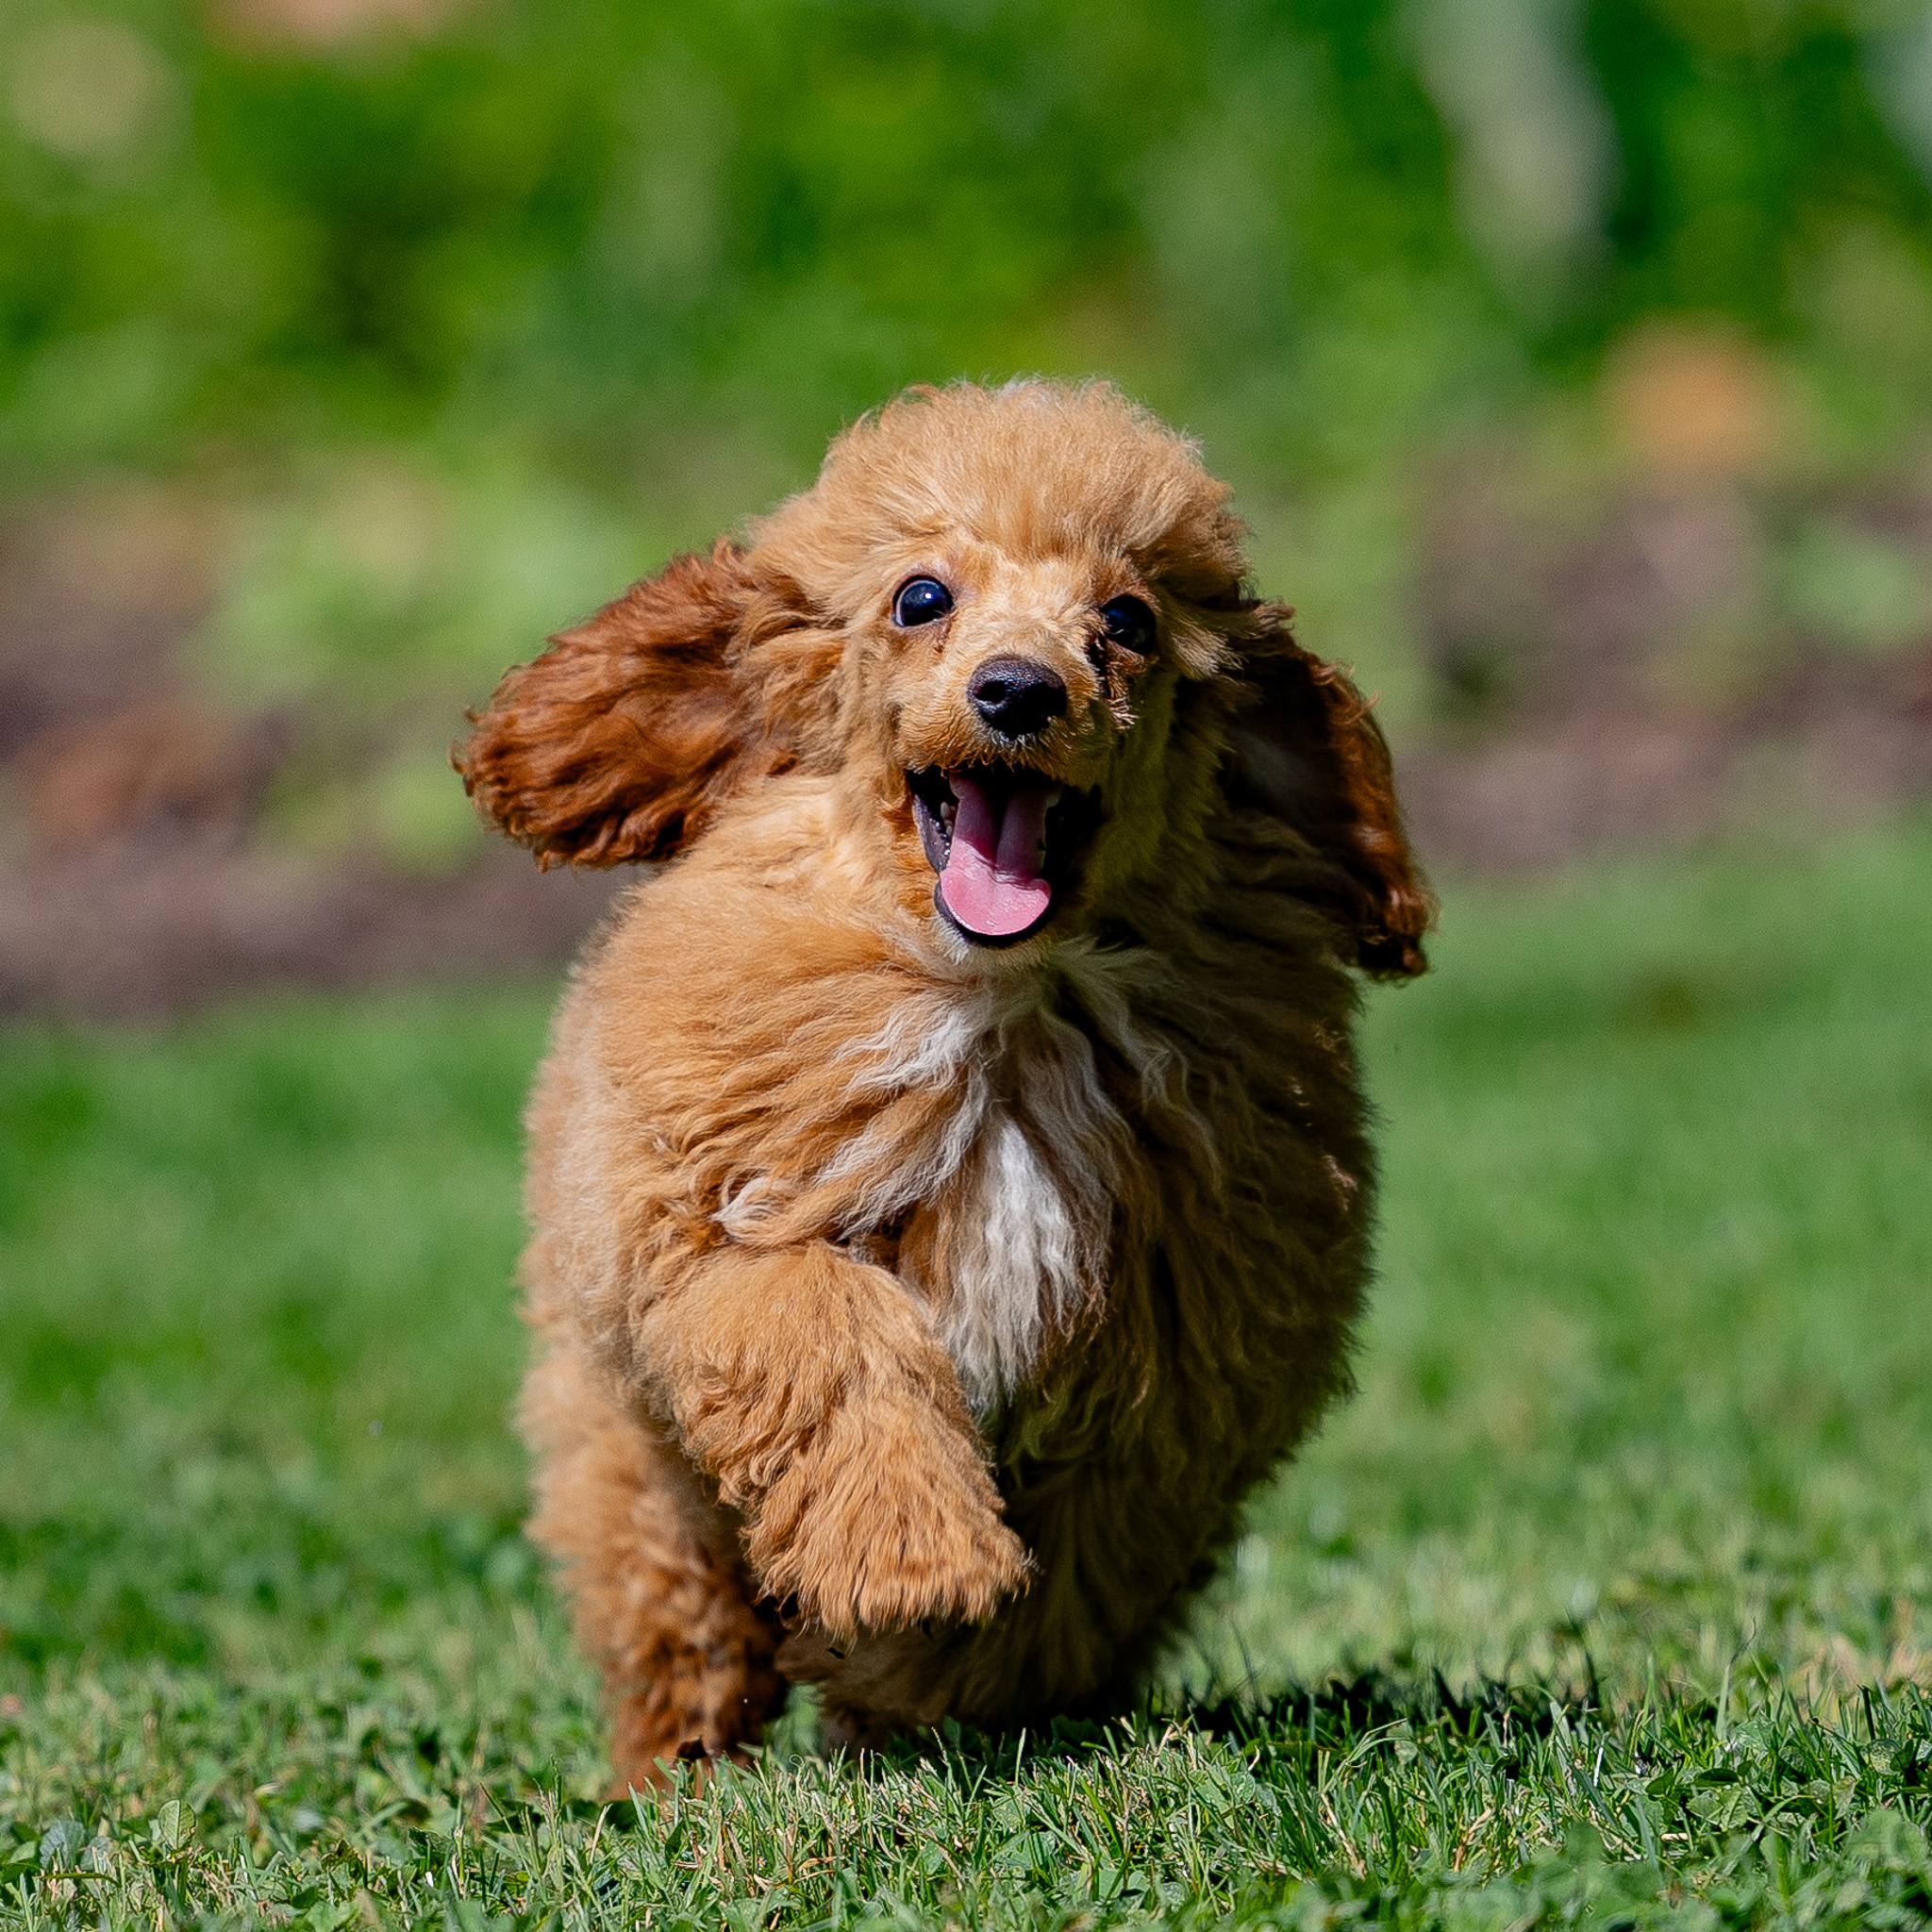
(884, 1519)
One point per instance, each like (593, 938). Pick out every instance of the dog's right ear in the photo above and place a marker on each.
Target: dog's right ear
(626, 735)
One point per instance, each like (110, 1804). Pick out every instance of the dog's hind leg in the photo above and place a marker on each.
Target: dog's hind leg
(662, 1597)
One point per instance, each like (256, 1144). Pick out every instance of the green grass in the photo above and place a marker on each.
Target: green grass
(1608, 1601)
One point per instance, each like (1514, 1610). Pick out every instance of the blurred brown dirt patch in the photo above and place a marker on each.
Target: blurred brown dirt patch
(1682, 647)
(136, 878)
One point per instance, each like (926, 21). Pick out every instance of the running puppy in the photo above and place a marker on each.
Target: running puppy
(949, 1176)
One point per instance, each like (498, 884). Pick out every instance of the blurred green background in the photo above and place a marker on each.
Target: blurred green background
(351, 346)
(1572, 361)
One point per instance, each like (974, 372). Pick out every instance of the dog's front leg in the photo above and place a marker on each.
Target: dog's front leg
(810, 1386)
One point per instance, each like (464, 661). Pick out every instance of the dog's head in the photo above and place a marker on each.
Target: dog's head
(1013, 621)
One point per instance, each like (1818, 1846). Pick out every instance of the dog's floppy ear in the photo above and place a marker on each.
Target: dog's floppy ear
(1305, 747)
(625, 737)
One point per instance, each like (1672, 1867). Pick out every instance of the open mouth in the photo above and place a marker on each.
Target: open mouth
(1001, 840)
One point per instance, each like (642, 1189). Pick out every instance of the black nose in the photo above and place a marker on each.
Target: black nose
(1016, 696)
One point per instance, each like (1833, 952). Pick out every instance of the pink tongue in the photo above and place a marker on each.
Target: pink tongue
(992, 883)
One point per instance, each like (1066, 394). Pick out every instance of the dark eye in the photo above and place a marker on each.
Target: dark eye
(1129, 624)
(921, 601)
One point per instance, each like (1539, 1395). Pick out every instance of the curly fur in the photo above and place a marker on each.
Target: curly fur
(915, 1316)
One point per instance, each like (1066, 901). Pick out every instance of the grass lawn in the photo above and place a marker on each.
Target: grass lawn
(1608, 1601)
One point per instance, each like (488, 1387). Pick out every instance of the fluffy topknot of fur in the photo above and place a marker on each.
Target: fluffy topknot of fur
(1033, 467)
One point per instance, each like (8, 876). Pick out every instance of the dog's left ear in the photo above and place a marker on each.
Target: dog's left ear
(1305, 747)
(626, 735)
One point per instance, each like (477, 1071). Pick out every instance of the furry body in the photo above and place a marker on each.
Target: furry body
(916, 1313)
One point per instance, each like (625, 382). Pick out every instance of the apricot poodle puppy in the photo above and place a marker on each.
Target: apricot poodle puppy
(949, 1178)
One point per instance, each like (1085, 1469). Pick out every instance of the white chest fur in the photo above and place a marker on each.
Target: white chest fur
(1019, 1259)
(1021, 1184)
